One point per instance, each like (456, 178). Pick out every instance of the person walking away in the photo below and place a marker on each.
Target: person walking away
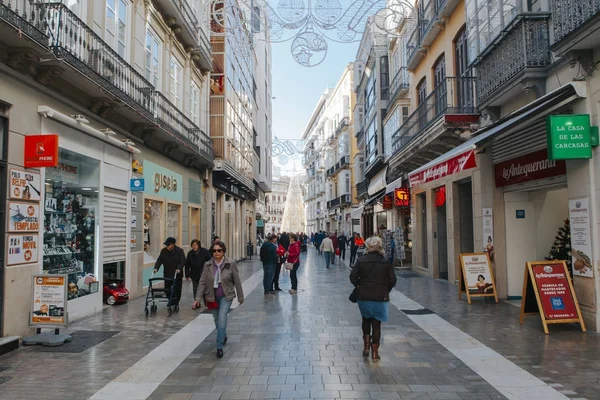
(319, 240)
(293, 257)
(220, 283)
(194, 264)
(326, 250)
(374, 278)
(269, 259)
(353, 248)
(334, 241)
(342, 243)
(172, 258)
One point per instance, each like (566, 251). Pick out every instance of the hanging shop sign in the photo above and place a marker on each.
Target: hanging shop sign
(137, 166)
(477, 278)
(260, 223)
(548, 291)
(402, 197)
(569, 137)
(25, 185)
(581, 238)
(461, 162)
(64, 172)
(527, 168)
(488, 232)
(137, 184)
(388, 202)
(162, 182)
(49, 302)
(22, 249)
(440, 196)
(23, 217)
(41, 151)
(229, 207)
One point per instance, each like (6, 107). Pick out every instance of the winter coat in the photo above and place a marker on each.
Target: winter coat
(374, 277)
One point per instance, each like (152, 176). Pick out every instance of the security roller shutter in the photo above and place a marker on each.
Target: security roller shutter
(518, 143)
(114, 233)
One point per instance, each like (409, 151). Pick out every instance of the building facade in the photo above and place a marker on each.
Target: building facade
(275, 203)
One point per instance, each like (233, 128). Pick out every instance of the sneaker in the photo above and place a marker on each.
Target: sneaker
(219, 353)
(225, 341)
(292, 291)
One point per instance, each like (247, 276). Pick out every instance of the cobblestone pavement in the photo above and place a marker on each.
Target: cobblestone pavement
(309, 345)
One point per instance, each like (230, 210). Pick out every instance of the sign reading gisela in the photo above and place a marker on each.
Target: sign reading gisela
(164, 182)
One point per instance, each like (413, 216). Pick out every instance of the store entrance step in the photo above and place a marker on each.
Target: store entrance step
(8, 344)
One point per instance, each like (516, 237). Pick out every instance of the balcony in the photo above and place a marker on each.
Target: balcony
(181, 18)
(343, 200)
(576, 24)
(432, 18)
(333, 203)
(452, 97)
(522, 54)
(102, 73)
(341, 125)
(361, 189)
(400, 85)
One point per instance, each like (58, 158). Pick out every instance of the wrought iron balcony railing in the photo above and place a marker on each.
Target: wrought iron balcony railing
(361, 189)
(189, 17)
(524, 48)
(341, 125)
(340, 201)
(27, 17)
(400, 82)
(333, 203)
(428, 12)
(569, 15)
(451, 96)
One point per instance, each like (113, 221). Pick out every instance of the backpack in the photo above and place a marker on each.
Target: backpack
(264, 253)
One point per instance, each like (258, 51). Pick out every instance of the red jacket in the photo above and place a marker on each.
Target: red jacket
(294, 253)
(334, 239)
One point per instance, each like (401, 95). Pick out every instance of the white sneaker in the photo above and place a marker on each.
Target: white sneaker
(292, 291)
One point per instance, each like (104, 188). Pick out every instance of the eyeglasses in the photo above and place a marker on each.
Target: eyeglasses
(217, 250)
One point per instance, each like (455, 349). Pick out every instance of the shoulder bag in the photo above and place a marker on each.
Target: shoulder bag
(354, 295)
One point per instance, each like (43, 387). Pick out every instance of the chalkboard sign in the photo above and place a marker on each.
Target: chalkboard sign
(476, 278)
(548, 291)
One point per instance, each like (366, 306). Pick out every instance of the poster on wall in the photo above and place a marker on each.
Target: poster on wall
(548, 291)
(25, 185)
(134, 221)
(229, 207)
(581, 240)
(477, 278)
(23, 217)
(22, 249)
(488, 232)
(133, 241)
(49, 305)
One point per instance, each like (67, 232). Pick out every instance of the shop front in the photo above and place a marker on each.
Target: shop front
(400, 221)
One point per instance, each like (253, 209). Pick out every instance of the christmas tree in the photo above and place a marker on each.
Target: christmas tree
(561, 248)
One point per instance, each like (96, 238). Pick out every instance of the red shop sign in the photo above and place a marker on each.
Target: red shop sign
(451, 166)
(527, 168)
(41, 151)
(440, 196)
(388, 202)
(402, 197)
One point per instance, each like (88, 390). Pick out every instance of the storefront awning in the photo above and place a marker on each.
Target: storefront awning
(462, 157)
(357, 212)
(377, 182)
(392, 186)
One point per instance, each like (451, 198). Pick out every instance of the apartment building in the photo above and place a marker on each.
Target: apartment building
(275, 203)
(121, 89)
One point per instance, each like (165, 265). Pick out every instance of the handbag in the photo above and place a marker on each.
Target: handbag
(211, 305)
(353, 296)
(337, 251)
(288, 266)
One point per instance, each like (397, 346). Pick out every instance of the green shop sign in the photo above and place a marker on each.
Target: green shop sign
(569, 137)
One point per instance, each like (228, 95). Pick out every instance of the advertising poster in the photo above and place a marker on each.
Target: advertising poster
(22, 249)
(477, 274)
(229, 207)
(133, 241)
(488, 232)
(133, 221)
(581, 240)
(49, 305)
(23, 217)
(25, 185)
(554, 292)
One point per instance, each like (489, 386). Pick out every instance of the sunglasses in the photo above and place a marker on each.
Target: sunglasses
(217, 250)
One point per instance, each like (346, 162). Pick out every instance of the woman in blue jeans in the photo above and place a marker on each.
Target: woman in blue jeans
(219, 283)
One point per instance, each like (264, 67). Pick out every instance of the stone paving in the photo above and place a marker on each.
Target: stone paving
(309, 345)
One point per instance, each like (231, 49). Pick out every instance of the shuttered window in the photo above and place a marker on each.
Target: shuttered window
(520, 142)
(114, 233)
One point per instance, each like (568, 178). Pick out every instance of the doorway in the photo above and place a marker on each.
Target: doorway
(422, 204)
(3, 171)
(465, 217)
(442, 240)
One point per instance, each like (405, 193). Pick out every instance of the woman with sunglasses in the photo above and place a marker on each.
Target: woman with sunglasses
(219, 283)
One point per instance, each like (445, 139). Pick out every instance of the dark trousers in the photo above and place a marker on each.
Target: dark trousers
(343, 252)
(176, 296)
(333, 256)
(269, 271)
(293, 276)
(353, 251)
(195, 283)
(276, 276)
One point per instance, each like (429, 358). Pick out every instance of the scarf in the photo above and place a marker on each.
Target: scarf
(217, 280)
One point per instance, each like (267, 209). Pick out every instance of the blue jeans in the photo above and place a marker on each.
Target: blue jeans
(220, 317)
(269, 273)
(327, 255)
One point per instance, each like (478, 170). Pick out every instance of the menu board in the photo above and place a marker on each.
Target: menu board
(49, 305)
(548, 290)
(22, 249)
(24, 185)
(477, 278)
(581, 237)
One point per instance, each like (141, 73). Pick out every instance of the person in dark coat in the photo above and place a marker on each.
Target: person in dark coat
(284, 240)
(172, 258)
(194, 264)
(342, 243)
(374, 278)
(334, 240)
(269, 260)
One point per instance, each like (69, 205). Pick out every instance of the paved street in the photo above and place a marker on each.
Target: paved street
(309, 346)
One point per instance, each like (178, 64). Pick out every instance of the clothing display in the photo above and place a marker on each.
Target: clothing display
(400, 251)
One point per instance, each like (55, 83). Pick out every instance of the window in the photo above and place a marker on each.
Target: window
(116, 25)
(465, 85)
(195, 104)
(370, 95)
(175, 75)
(371, 142)
(153, 49)
(439, 84)
(421, 96)
(173, 218)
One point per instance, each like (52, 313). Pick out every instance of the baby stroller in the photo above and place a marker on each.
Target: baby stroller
(161, 295)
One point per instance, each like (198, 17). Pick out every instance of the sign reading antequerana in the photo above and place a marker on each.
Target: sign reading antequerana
(569, 137)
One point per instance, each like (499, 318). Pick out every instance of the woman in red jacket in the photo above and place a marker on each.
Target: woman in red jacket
(293, 257)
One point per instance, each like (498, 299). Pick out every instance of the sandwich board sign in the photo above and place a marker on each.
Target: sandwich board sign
(548, 291)
(477, 277)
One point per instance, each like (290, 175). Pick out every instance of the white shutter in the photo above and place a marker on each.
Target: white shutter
(114, 232)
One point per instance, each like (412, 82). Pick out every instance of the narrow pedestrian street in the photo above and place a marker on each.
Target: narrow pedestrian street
(309, 345)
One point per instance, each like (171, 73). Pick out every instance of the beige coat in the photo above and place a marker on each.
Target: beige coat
(327, 245)
(230, 279)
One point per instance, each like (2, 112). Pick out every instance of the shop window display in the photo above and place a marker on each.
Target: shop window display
(173, 216)
(70, 217)
(153, 215)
